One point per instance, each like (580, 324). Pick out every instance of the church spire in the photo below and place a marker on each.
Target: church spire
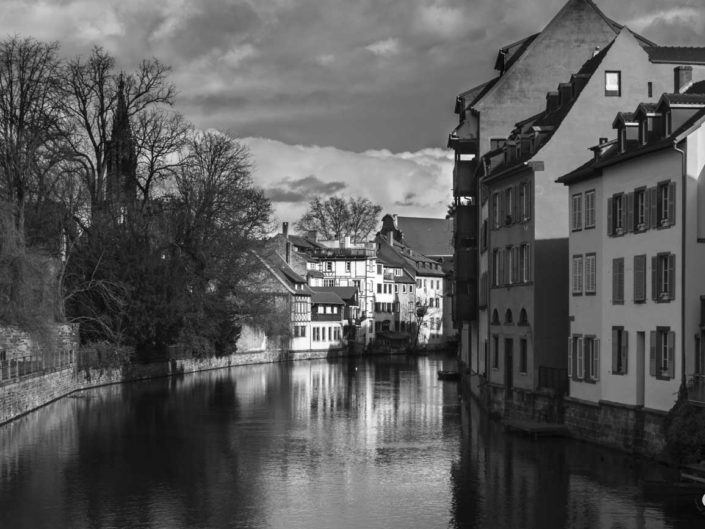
(121, 155)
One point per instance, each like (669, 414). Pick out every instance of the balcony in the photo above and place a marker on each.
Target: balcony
(464, 181)
(466, 223)
(466, 264)
(343, 253)
(465, 302)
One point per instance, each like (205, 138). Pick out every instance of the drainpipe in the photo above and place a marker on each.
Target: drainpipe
(684, 175)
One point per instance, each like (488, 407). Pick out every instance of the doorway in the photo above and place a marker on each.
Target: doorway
(640, 367)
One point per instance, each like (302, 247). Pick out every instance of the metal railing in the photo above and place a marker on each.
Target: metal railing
(15, 369)
(553, 378)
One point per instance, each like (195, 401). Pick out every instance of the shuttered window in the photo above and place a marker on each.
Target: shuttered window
(620, 350)
(577, 212)
(618, 281)
(590, 273)
(577, 275)
(666, 204)
(590, 209)
(662, 361)
(639, 278)
(663, 277)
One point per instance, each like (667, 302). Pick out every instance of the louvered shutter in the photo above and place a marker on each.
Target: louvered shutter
(624, 213)
(587, 358)
(515, 264)
(581, 360)
(596, 348)
(570, 357)
(653, 206)
(615, 351)
(528, 262)
(610, 216)
(516, 214)
(647, 201)
(529, 197)
(670, 345)
(652, 359)
(625, 351)
(672, 276)
(671, 203)
(639, 277)
(654, 278)
(630, 213)
(500, 257)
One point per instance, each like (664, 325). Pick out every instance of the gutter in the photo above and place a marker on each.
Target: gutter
(684, 175)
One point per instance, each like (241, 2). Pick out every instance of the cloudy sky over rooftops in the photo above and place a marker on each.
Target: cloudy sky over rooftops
(332, 96)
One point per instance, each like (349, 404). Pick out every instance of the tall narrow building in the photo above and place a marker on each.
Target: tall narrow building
(121, 158)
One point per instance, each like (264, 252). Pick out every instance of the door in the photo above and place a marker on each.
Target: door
(640, 367)
(508, 362)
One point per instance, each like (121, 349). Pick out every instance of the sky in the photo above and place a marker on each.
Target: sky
(346, 97)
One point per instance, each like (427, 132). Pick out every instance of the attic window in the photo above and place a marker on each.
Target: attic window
(613, 83)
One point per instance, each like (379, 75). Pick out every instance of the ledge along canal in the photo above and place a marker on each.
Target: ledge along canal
(363, 443)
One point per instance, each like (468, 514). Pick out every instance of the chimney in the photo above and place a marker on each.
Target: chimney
(682, 78)
(552, 101)
(596, 51)
(288, 252)
(395, 221)
(566, 93)
(285, 229)
(390, 237)
(346, 241)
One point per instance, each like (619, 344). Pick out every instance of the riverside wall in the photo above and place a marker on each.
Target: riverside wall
(630, 429)
(24, 394)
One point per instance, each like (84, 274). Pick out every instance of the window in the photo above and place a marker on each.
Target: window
(576, 362)
(496, 143)
(665, 195)
(577, 275)
(590, 209)
(495, 351)
(640, 210)
(619, 213)
(418, 283)
(509, 204)
(591, 348)
(396, 289)
(620, 347)
(577, 212)
(329, 282)
(483, 236)
(525, 200)
(613, 83)
(590, 273)
(403, 289)
(524, 260)
(495, 210)
(379, 269)
(348, 266)
(662, 362)
(663, 277)
(496, 267)
(316, 334)
(329, 266)
(650, 89)
(508, 317)
(299, 331)
(379, 288)
(523, 318)
(523, 360)
(618, 281)
(509, 254)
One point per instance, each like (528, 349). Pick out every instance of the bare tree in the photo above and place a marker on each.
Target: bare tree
(30, 118)
(89, 102)
(336, 218)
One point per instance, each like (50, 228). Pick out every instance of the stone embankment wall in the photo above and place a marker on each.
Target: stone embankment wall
(16, 343)
(626, 428)
(20, 396)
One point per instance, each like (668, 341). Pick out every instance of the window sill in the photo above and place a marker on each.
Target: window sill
(620, 373)
(592, 293)
(617, 302)
(591, 227)
(577, 294)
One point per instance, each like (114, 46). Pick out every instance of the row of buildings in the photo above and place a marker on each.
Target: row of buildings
(385, 293)
(578, 170)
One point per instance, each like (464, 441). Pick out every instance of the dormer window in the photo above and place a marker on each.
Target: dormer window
(613, 83)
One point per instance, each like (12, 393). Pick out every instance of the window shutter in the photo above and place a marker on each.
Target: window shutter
(529, 203)
(610, 216)
(630, 212)
(615, 350)
(653, 204)
(500, 256)
(671, 203)
(615, 280)
(515, 264)
(671, 345)
(516, 214)
(528, 262)
(587, 359)
(625, 351)
(581, 360)
(652, 360)
(639, 265)
(596, 349)
(646, 209)
(654, 278)
(574, 350)
(570, 357)
(624, 213)
(672, 276)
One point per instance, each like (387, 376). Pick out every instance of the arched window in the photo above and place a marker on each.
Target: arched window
(523, 318)
(495, 317)
(508, 316)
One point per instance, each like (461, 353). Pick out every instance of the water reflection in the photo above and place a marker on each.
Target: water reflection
(353, 443)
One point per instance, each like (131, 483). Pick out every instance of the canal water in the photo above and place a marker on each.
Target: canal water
(354, 443)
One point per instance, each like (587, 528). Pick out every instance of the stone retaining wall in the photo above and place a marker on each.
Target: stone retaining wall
(19, 398)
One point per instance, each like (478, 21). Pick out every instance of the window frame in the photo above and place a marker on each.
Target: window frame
(612, 92)
(576, 275)
(576, 217)
(590, 212)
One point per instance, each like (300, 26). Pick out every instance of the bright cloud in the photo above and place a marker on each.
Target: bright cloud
(410, 183)
(384, 48)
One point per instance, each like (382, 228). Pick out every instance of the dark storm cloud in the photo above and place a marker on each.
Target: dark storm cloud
(302, 189)
(357, 75)
(408, 200)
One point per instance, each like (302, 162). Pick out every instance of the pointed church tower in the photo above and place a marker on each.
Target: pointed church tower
(121, 157)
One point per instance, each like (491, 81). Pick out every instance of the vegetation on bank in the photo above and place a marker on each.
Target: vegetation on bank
(115, 213)
(684, 431)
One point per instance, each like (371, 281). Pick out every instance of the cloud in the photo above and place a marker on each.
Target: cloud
(384, 48)
(302, 189)
(408, 183)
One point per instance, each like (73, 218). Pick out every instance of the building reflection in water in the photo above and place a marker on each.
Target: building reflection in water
(352, 443)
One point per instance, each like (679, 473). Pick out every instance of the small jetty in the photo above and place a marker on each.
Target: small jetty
(448, 375)
(537, 429)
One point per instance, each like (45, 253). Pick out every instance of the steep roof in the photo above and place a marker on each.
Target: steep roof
(676, 54)
(326, 297)
(277, 266)
(344, 293)
(427, 235)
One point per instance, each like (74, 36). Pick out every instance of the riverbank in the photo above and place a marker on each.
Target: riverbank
(630, 429)
(30, 393)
